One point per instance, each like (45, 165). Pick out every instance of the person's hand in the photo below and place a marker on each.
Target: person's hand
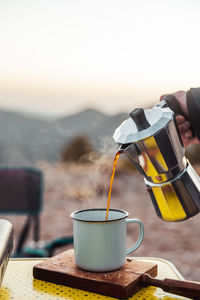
(183, 124)
(185, 131)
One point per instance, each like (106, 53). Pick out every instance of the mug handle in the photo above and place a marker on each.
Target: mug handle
(141, 235)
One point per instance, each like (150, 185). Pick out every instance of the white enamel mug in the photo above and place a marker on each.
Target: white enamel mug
(100, 244)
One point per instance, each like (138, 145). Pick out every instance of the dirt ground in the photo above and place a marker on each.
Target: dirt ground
(68, 188)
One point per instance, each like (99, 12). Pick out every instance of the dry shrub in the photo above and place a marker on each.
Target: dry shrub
(78, 150)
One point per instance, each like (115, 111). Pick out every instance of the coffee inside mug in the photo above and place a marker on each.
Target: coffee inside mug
(99, 215)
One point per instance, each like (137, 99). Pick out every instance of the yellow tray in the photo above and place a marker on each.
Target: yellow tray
(19, 284)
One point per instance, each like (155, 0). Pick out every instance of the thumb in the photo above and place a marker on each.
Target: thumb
(162, 97)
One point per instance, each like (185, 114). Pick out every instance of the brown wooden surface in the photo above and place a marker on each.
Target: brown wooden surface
(122, 283)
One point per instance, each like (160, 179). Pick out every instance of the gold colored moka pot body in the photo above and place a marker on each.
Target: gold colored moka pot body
(151, 140)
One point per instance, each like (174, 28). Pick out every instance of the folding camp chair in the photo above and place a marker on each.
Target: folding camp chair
(21, 192)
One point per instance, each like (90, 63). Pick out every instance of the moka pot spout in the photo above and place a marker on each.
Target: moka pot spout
(132, 152)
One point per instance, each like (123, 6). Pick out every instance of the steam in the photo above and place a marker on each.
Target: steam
(108, 146)
(86, 183)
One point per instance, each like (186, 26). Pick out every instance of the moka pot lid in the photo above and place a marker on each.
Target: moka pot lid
(143, 124)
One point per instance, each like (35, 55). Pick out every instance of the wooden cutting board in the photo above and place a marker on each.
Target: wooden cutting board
(61, 269)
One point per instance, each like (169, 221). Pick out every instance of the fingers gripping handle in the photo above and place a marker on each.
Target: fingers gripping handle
(141, 235)
(174, 105)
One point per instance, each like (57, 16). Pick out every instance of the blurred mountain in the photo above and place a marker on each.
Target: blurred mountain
(27, 139)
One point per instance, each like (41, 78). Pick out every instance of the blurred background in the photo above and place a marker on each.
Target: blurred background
(70, 72)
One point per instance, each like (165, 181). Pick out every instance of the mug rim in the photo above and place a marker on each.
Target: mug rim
(73, 215)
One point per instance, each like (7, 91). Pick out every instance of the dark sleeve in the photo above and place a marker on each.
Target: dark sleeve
(193, 104)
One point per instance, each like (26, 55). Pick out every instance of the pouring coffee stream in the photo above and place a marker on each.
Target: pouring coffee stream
(111, 183)
(151, 140)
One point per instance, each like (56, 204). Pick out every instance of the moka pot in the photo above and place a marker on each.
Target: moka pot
(151, 140)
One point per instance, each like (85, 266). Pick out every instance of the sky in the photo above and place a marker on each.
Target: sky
(58, 57)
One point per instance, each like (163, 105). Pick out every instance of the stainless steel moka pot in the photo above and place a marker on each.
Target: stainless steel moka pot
(151, 140)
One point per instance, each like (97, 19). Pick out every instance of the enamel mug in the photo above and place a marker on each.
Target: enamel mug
(100, 244)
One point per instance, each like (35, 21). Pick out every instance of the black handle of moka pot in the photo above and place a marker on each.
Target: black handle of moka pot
(174, 105)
